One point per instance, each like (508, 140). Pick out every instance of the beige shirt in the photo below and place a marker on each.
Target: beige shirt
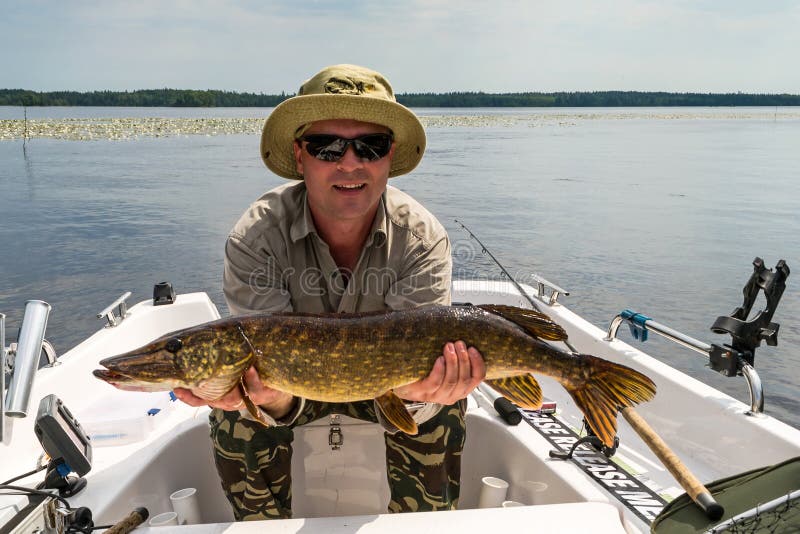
(276, 261)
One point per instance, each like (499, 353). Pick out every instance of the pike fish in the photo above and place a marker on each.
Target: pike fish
(351, 357)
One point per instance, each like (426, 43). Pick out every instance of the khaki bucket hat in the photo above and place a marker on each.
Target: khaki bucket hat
(342, 92)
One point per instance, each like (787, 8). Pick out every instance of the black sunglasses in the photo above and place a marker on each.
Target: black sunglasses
(326, 147)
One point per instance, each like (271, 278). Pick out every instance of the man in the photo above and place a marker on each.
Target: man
(338, 239)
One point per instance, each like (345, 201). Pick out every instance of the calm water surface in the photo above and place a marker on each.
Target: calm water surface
(658, 210)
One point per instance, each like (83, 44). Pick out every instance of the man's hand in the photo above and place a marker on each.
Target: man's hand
(454, 375)
(276, 403)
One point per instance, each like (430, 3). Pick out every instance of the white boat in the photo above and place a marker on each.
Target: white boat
(145, 446)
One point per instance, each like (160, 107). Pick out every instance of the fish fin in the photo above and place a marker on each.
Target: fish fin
(608, 388)
(252, 409)
(522, 390)
(395, 412)
(533, 322)
(214, 388)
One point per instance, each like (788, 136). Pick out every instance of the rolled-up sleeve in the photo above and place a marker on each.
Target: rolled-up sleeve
(425, 279)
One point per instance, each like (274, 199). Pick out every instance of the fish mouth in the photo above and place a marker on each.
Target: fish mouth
(150, 366)
(110, 376)
(127, 383)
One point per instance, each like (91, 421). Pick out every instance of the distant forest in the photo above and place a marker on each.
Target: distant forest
(209, 98)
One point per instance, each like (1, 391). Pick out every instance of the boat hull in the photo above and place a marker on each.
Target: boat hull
(710, 431)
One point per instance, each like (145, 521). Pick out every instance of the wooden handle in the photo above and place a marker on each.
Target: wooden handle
(693, 487)
(133, 520)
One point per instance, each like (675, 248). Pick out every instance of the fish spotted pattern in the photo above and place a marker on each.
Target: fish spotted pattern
(350, 357)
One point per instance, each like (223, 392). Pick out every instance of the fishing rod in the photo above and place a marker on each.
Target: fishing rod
(503, 269)
(522, 292)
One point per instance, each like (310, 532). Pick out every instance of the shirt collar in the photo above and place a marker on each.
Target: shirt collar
(303, 224)
(378, 232)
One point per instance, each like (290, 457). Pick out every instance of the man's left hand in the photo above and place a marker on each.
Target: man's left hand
(454, 375)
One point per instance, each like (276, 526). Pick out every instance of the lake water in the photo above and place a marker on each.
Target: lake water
(657, 210)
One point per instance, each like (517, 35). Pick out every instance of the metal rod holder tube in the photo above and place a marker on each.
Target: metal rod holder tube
(664, 331)
(678, 337)
(756, 390)
(26, 361)
(613, 328)
(748, 371)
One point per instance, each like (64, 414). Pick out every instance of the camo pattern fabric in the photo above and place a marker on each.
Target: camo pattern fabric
(254, 462)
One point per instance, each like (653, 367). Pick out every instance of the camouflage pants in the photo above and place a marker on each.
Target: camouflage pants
(254, 462)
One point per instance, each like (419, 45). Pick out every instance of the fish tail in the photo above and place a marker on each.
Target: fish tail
(608, 388)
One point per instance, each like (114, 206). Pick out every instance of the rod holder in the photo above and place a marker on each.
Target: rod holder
(26, 360)
(644, 324)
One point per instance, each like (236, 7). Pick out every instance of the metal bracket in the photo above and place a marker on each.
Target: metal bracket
(335, 436)
(50, 352)
(11, 352)
(56, 518)
(120, 306)
(541, 284)
(592, 440)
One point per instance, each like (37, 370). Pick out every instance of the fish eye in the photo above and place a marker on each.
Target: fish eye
(174, 345)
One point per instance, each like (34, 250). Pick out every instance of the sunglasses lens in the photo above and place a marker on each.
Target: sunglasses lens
(326, 147)
(371, 147)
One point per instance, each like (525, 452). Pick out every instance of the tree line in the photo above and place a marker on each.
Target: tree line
(213, 98)
(140, 98)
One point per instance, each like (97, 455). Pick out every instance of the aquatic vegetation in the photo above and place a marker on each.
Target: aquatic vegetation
(87, 129)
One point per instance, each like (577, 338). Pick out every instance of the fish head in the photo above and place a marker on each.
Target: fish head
(208, 359)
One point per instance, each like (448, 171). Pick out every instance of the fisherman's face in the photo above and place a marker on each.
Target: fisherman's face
(348, 189)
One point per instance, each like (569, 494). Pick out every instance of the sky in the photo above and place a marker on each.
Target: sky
(270, 46)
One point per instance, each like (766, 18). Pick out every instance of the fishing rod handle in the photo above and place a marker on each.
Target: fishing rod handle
(130, 522)
(690, 483)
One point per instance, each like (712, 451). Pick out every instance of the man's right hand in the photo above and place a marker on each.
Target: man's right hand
(454, 375)
(276, 403)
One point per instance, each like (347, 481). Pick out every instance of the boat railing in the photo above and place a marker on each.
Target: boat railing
(641, 324)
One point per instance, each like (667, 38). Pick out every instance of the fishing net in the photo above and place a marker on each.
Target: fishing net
(779, 516)
(764, 500)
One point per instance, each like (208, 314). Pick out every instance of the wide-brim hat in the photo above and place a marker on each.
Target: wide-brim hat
(342, 92)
